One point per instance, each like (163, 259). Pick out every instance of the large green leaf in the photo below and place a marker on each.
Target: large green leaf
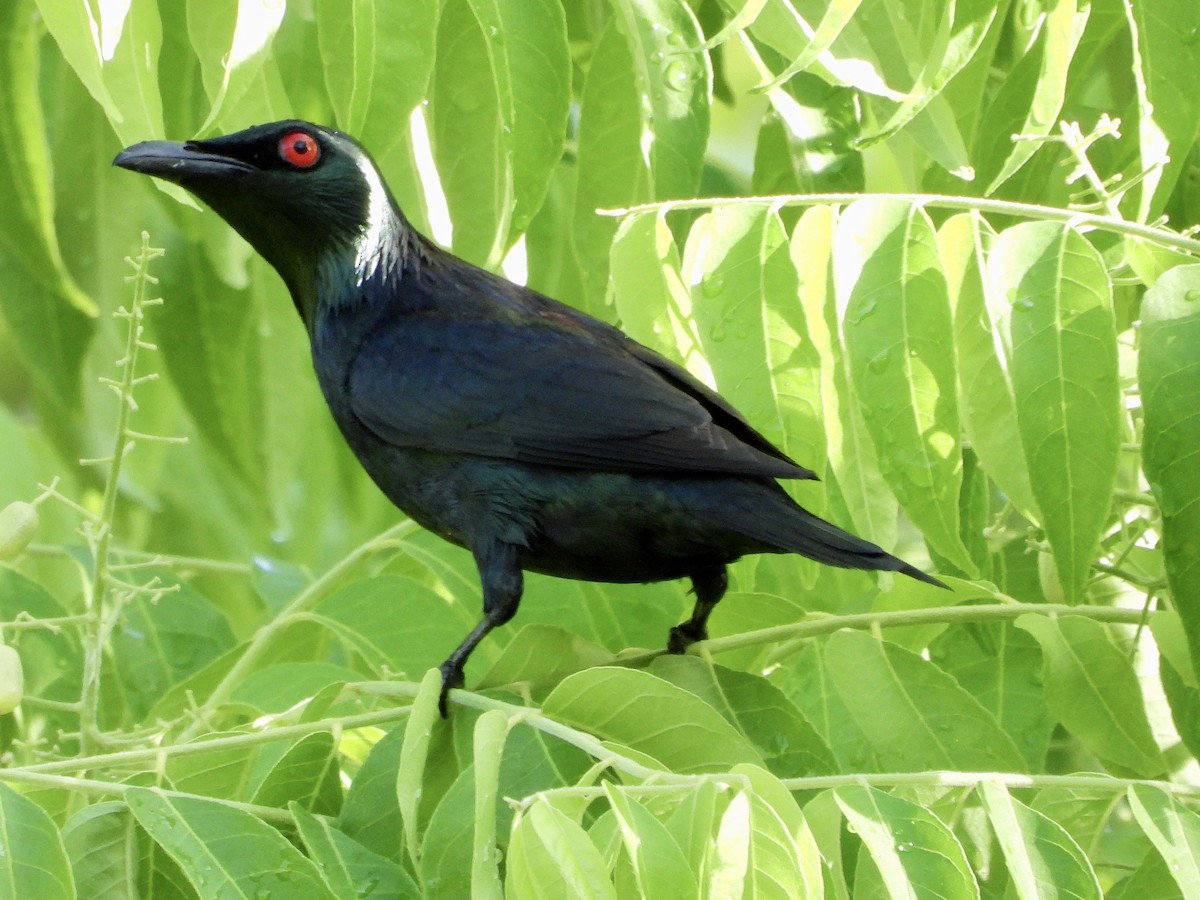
(1092, 690)
(348, 867)
(1167, 82)
(877, 704)
(501, 90)
(232, 39)
(226, 852)
(1175, 832)
(852, 458)
(33, 862)
(113, 48)
(1001, 667)
(1031, 97)
(896, 324)
(752, 328)
(1049, 295)
(1042, 859)
(1167, 369)
(551, 855)
(915, 853)
(643, 122)
(986, 401)
(652, 716)
(49, 316)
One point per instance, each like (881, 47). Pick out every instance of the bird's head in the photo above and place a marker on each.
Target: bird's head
(308, 198)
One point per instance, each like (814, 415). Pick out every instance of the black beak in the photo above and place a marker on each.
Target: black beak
(177, 162)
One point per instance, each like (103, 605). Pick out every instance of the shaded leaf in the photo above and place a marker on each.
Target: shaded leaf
(1092, 689)
(223, 851)
(1167, 368)
(649, 715)
(33, 862)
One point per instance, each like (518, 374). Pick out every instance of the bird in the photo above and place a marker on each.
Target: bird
(534, 435)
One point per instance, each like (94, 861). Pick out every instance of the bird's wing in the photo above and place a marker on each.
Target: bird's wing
(549, 396)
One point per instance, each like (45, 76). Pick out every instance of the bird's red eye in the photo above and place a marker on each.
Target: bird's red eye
(300, 149)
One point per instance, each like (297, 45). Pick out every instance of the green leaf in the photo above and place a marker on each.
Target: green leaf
(363, 614)
(873, 700)
(540, 656)
(1001, 667)
(784, 859)
(33, 861)
(916, 854)
(225, 852)
(232, 39)
(1175, 832)
(159, 643)
(989, 409)
(651, 716)
(959, 35)
(307, 775)
(1168, 117)
(1167, 370)
(852, 456)
(49, 316)
(419, 732)
(501, 90)
(752, 329)
(1049, 293)
(692, 824)
(837, 16)
(490, 732)
(1031, 97)
(1042, 859)
(208, 334)
(1093, 691)
(365, 47)
(114, 51)
(274, 689)
(370, 813)
(646, 77)
(896, 323)
(550, 855)
(652, 302)
(349, 868)
(659, 866)
(757, 708)
(101, 841)
(447, 846)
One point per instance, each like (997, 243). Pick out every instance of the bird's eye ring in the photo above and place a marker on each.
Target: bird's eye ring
(300, 149)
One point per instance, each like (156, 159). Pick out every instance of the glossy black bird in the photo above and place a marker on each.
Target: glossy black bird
(530, 433)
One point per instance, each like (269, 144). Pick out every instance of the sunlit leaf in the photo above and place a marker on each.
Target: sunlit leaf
(1049, 296)
(916, 854)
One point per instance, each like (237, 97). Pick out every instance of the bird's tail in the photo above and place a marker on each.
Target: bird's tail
(785, 526)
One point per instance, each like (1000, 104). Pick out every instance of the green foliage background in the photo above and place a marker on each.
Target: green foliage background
(951, 272)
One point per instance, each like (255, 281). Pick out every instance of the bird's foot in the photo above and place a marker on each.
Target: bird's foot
(684, 635)
(452, 677)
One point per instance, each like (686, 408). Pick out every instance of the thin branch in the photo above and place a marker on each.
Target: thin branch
(979, 204)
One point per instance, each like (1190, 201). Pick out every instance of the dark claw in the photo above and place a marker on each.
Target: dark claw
(452, 677)
(684, 635)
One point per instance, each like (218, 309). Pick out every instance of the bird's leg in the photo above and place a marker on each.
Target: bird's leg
(501, 577)
(709, 586)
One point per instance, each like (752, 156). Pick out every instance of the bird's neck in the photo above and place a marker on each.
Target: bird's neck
(361, 272)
